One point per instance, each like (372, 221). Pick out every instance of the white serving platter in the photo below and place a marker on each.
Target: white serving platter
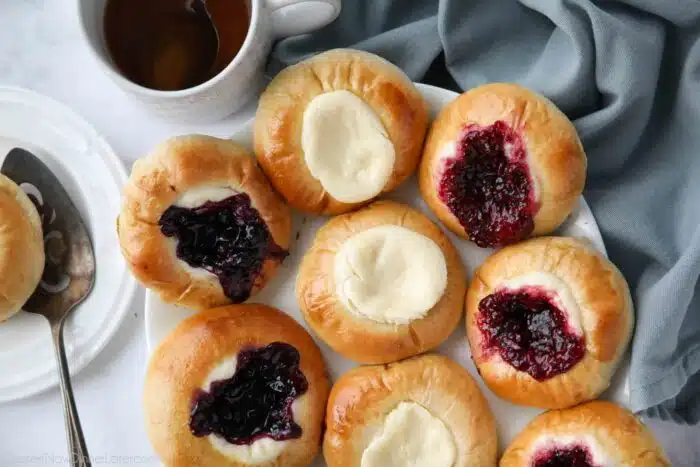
(93, 177)
(161, 318)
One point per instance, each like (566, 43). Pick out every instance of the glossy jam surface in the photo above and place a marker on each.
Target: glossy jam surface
(227, 238)
(487, 186)
(256, 401)
(529, 332)
(570, 456)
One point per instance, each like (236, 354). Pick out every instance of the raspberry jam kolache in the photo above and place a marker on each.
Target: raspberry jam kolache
(488, 185)
(501, 164)
(593, 434)
(530, 332)
(567, 456)
(548, 320)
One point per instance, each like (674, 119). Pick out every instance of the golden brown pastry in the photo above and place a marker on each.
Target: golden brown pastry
(21, 248)
(424, 411)
(236, 386)
(593, 434)
(502, 163)
(381, 284)
(335, 131)
(548, 321)
(200, 225)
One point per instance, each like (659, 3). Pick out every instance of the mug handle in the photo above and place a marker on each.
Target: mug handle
(292, 17)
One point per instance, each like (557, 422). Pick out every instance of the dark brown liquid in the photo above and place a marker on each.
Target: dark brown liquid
(174, 44)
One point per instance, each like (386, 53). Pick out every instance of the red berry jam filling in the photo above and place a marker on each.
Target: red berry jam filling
(227, 238)
(256, 401)
(529, 332)
(569, 456)
(487, 186)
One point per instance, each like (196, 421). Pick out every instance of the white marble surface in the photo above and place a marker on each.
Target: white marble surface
(41, 49)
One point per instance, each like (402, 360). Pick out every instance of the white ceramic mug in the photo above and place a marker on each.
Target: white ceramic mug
(236, 84)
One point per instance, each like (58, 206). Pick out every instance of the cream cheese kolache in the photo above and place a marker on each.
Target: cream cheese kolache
(200, 224)
(422, 411)
(502, 163)
(381, 283)
(337, 130)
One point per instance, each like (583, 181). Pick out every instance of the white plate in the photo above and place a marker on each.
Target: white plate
(161, 318)
(93, 176)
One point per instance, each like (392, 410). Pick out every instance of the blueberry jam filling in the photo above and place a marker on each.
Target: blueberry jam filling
(256, 401)
(487, 186)
(227, 238)
(529, 332)
(570, 456)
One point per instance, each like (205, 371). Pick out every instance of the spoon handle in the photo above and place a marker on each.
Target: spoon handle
(77, 449)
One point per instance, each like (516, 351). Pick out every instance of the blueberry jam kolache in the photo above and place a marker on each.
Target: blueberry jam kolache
(594, 434)
(501, 164)
(234, 386)
(200, 224)
(548, 321)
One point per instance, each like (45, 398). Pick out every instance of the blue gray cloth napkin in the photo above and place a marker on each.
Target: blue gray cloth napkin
(628, 74)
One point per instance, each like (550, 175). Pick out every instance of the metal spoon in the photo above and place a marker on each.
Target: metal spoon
(69, 271)
(205, 45)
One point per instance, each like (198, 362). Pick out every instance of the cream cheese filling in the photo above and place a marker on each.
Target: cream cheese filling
(346, 146)
(196, 197)
(411, 437)
(390, 274)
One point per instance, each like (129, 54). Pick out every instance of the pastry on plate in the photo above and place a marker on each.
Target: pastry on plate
(548, 322)
(423, 411)
(240, 385)
(21, 248)
(381, 283)
(502, 163)
(200, 224)
(335, 131)
(589, 435)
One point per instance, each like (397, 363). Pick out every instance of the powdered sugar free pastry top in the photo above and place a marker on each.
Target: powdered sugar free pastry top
(381, 283)
(235, 386)
(548, 321)
(200, 224)
(21, 248)
(502, 163)
(423, 411)
(594, 434)
(337, 130)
